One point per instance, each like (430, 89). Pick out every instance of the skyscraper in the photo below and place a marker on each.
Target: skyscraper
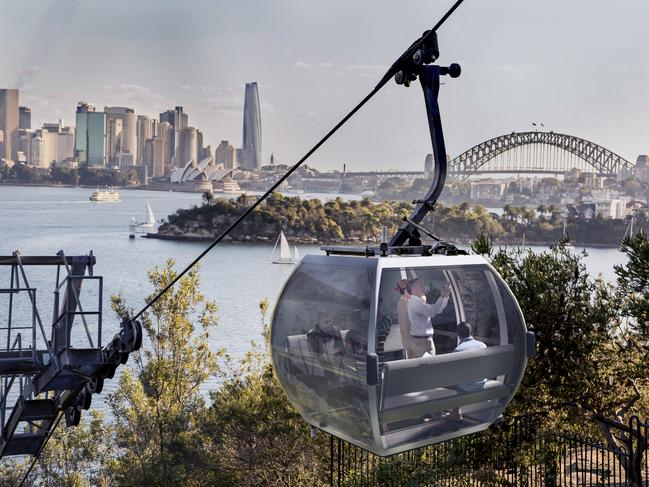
(187, 146)
(9, 122)
(146, 129)
(24, 118)
(90, 140)
(166, 134)
(251, 128)
(178, 121)
(225, 155)
(126, 141)
(154, 157)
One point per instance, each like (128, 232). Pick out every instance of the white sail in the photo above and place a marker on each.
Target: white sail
(150, 217)
(284, 256)
(296, 254)
(284, 249)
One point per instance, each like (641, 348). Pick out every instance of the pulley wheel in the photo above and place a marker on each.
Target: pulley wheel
(96, 385)
(85, 398)
(72, 416)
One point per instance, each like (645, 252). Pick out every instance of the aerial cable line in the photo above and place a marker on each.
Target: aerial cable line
(394, 69)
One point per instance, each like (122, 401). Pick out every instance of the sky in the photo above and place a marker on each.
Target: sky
(579, 67)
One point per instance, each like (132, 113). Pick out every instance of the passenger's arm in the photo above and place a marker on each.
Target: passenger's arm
(430, 310)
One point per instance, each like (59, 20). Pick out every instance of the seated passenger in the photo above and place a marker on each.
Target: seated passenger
(325, 337)
(420, 314)
(467, 342)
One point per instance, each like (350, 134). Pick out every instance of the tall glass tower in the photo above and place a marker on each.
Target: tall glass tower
(251, 129)
(90, 143)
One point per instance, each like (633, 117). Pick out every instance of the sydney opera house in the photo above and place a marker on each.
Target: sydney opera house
(203, 176)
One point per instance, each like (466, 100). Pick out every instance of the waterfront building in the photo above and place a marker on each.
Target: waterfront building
(238, 157)
(9, 122)
(53, 143)
(24, 118)
(122, 136)
(490, 190)
(154, 157)
(146, 129)
(166, 134)
(187, 146)
(251, 129)
(65, 144)
(24, 146)
(178, 120)
(225, 155)
(90, 137)
(113, 139)
(201, 174)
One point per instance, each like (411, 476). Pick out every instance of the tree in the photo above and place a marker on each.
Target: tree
(633, 281)
(592, 361)
(158, 400)
(208, 198)
(79, 456)
(252, 435)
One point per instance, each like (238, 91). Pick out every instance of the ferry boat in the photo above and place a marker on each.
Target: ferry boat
(105, 196)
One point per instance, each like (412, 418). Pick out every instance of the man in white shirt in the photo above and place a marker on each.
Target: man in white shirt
(467, 343)
(420, 314)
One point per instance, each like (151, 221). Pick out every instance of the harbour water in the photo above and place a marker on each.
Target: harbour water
(42, 221)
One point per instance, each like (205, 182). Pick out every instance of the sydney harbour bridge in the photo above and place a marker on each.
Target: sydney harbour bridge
(531, 153)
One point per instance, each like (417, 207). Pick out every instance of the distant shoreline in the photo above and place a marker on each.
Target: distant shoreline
(265, 240)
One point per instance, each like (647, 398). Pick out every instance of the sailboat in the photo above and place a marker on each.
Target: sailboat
(284, 256)
(296, 255)
(629, 229)
(565, 238)
(142, 226)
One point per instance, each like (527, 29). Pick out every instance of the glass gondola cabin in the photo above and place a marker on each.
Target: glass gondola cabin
(339, 354)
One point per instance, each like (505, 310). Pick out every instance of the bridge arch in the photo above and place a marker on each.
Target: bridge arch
(600, 159)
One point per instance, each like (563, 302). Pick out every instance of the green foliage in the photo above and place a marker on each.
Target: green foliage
(252, 435)
(74, 457)
(483, 245)
(106, 177)
(157, 403)
(335, 221)
(591, 365)
(633, 281)
(587, 366)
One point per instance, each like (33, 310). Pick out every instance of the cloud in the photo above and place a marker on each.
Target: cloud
(132, 95)
(366, 70)
(201, 88)
(325, 65)
(302, 64)
(514, 68)
(25, 74)
(306, 113)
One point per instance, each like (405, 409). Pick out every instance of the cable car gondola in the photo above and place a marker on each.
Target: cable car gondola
(336, 334)
(338, 352)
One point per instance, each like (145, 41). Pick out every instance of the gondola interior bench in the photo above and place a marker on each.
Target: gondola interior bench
(413, 388)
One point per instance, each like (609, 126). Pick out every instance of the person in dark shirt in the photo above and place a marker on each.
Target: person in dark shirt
(325, 337)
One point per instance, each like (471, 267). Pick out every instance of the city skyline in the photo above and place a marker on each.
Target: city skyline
(522, 63)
